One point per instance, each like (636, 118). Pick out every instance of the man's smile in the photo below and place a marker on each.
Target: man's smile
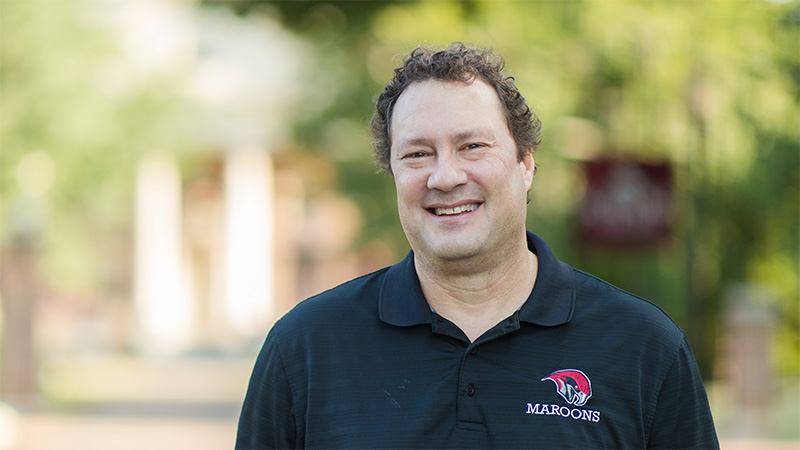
(449, 211)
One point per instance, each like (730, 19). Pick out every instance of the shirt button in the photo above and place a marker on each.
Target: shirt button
(470, 390)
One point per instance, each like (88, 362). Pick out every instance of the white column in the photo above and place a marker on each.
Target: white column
(165, 314)
(249, 204)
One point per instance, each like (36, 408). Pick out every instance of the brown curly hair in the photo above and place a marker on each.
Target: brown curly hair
(462, 64)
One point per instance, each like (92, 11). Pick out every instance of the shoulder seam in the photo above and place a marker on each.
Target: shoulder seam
(629, 294)
(350, 281)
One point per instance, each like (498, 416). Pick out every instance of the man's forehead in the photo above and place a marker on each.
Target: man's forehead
(427, 96)
(476, 85)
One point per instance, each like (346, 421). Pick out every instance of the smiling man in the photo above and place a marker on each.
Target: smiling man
(461, 196)
(480, 337)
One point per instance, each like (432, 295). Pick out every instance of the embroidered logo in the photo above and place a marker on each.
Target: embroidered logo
(572, 384)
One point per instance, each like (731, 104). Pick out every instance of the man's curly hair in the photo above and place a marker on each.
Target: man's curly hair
(457, 63)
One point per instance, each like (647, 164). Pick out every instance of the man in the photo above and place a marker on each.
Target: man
(480, 337)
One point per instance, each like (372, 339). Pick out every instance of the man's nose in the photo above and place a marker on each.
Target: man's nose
(447, 174)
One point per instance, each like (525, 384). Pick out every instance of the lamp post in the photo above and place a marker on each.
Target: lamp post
(20, 292)
(700, 103)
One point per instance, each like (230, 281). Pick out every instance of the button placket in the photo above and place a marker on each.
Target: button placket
(468, 403)
(469, 389)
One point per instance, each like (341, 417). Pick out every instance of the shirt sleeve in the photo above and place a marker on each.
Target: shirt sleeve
(267, 420)
(682, 417)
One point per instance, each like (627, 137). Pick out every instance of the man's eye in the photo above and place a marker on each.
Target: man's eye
(473, 146)
(415, 155)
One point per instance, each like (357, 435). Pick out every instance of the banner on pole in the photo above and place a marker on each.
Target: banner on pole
(627, 203)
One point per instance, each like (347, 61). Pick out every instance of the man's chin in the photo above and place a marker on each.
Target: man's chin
(452, 251)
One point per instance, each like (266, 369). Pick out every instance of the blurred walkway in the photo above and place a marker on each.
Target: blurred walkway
(130, 403)
(95, 432)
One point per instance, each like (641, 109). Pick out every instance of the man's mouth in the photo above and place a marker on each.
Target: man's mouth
(455, 210)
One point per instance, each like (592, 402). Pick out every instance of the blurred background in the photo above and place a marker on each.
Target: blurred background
(176, 174)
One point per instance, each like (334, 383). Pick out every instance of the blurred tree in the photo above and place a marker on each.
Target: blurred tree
(76, 114)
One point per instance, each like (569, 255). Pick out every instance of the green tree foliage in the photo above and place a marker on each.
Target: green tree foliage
(75, 117)
(713, 87)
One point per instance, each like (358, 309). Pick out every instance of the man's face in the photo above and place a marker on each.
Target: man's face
(461, 190)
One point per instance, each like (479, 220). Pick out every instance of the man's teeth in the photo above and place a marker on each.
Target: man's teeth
(456, 210)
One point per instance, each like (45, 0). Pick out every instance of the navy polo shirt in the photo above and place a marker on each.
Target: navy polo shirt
(581, 365)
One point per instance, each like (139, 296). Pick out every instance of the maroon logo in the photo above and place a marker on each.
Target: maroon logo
(572, 384)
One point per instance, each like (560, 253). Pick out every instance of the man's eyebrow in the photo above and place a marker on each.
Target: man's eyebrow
(463, 135)
(413, 142)
(473, 133)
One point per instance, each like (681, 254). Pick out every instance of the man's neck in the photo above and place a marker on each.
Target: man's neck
(476, 300)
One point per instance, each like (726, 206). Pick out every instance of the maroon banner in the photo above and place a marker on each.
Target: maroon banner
(627, 203)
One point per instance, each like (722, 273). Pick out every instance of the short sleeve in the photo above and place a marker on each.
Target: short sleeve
(267, 419)
(682, 417)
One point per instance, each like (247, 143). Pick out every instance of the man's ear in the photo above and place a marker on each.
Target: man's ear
(528, 166)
